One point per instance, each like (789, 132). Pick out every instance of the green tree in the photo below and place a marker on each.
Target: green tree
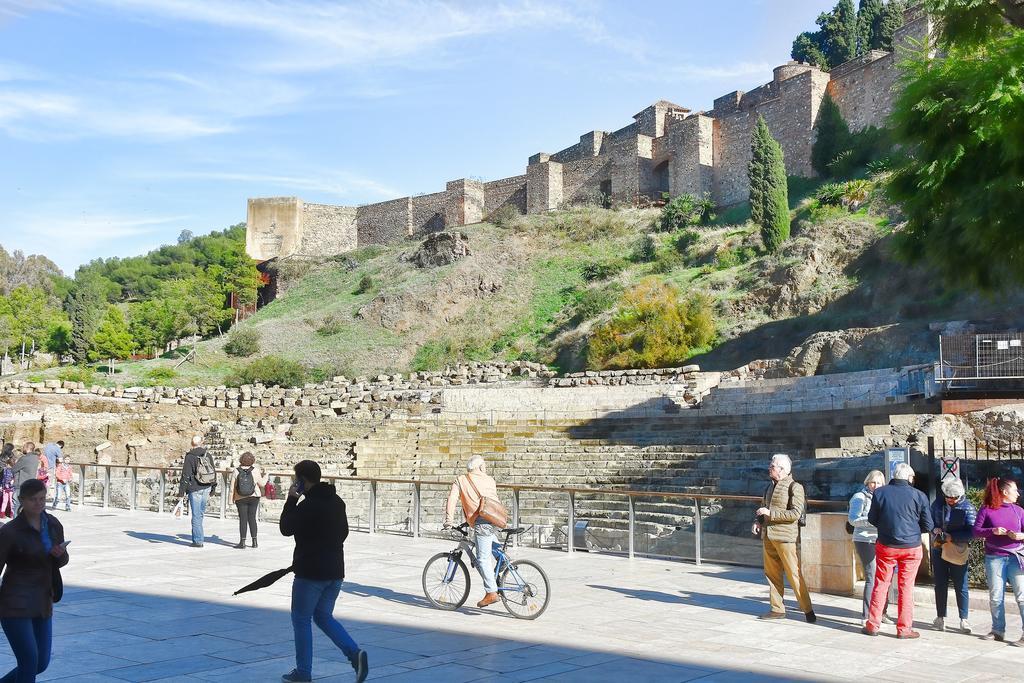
(833, 136)
(869, 18)
(653, 326)
(839, 28)
(808, 47)
(769, 194)
(112, 340)
(960, 116)
(890, 20)
(85, 307)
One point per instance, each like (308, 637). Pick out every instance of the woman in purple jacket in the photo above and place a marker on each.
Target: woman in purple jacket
(1001, 523)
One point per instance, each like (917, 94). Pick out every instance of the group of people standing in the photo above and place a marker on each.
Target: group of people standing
(48, 465)
(887, 521)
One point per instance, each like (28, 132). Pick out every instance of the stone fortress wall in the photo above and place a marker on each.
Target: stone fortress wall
(667, 148)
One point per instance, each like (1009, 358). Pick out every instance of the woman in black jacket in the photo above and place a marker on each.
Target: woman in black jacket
(31, 547)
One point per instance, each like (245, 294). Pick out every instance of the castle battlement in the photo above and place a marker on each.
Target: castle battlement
(667, 148)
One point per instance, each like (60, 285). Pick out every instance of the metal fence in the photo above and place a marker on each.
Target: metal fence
(971, 357)
(965, 449)
(695, 527)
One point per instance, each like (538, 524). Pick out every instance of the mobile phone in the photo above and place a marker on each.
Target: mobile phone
(300, 487)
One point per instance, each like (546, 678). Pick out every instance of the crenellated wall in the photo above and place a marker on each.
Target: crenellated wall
(666, 149)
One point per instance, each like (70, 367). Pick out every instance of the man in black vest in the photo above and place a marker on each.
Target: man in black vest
(320, 527)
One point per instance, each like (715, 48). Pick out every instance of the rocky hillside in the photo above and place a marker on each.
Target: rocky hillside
(532, 288)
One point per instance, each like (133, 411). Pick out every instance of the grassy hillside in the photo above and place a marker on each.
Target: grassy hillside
(533, 287)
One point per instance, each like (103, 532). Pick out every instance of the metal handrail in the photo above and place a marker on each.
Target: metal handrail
(414, 521)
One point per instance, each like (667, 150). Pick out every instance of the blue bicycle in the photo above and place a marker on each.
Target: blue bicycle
(522, 585)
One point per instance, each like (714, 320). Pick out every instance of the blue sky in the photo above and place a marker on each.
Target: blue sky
(124, 122)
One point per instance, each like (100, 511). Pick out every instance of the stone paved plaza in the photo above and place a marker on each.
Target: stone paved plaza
(143, 606)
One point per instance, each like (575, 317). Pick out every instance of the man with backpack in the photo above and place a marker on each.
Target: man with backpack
(199, 481)
(779, 519)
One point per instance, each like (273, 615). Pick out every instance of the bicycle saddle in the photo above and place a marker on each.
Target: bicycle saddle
(513, 532)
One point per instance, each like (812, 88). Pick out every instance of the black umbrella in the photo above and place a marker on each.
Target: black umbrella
(264, 581)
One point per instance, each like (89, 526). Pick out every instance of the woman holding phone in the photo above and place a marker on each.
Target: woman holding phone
(32, 546)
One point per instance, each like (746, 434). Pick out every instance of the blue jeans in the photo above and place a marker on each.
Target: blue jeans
(64, 488)
(484, 536)
(197, 508)
(998, 570)
(30, 641)
(944, 571)
(314, 601)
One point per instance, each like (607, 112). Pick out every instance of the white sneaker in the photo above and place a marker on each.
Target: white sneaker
(939, 624)
(965, 626)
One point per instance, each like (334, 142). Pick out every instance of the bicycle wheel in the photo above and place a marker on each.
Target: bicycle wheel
(446, 581)
(524, 589)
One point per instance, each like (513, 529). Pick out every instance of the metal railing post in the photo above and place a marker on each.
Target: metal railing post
(698, 523)
(416, 510)
(106, 486)
(134, 489)
(570, 531)
(224, 495)
(373, 508)
(516, 540)
(163, 491)
(81, 485)
(632, 526)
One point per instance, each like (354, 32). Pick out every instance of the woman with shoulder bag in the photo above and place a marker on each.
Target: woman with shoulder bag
(478, 493)
(954, 517)
(865, 535)
(246, 491)
(32, 549)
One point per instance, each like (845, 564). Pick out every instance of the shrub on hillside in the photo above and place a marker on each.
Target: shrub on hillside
(830, 194)
(602, 270)
(269, 370)
(330, 325)
(161, 374)
(653, 326)
(242, 342)
(684, 240)
(645, 249)
(76, 373)
(595, 301)
(686, 210)
(366, 284)
(504, 216)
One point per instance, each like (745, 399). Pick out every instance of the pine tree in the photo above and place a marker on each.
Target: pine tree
(869, 17)
(890, 19)
(112, 340)
(769, 194)
(833, 136)
(807, 48)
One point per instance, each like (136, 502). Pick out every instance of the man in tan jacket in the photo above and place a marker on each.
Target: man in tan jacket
(778, 525)
(470, 488)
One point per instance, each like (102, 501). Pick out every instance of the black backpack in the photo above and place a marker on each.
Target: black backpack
(245, 484)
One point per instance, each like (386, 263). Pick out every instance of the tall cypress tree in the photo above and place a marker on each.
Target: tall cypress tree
(869, 17)
(769, 194)
(890, 19)
(833, 136)
(86, 307)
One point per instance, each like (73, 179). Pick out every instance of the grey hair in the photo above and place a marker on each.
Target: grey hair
(783, 461)
(874, 475)
(953, 488)
(197, 440)
(475, 463)
(903, 471)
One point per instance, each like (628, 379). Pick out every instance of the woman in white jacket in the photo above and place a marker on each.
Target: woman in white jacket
(865, 535)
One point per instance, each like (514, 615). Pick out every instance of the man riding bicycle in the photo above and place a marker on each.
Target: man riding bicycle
(471, 488)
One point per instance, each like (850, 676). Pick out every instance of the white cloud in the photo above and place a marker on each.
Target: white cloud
(71, 238)
(344, 185)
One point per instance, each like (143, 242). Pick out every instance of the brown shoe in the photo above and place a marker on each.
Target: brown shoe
(488, 599)
(908, 635)
(772, 615)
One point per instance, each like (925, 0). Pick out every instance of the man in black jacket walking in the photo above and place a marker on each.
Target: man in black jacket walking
(27, 467)
(320, 527)
(199, 481)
